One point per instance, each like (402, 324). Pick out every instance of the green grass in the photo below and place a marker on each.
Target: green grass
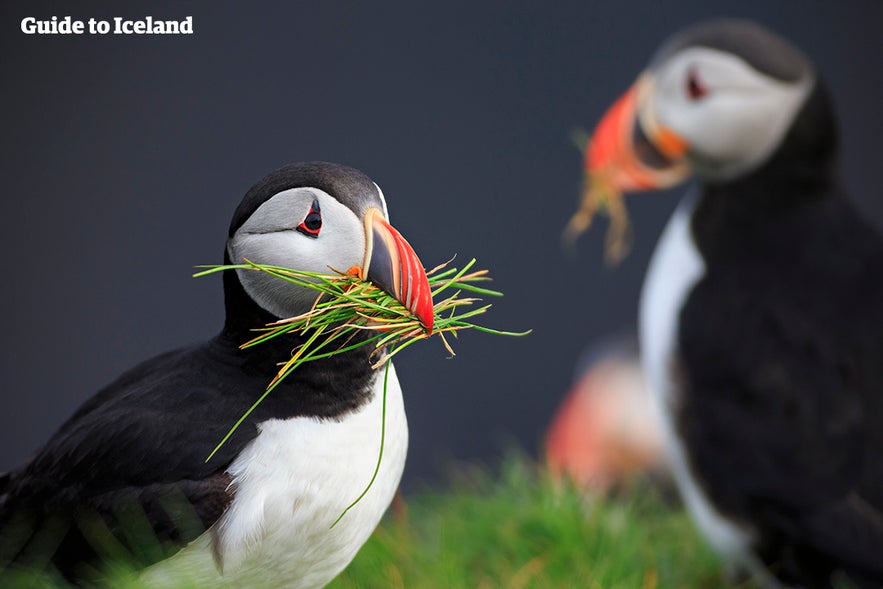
(518, 530)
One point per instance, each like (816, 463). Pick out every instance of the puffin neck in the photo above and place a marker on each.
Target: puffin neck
(349, 373)
(243, 314)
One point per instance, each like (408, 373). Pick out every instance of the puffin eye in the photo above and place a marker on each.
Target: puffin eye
(696, 90)
(312, 223)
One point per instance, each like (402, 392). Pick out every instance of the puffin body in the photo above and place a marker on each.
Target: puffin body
(291, 483)
(761, 317)
(128, 471)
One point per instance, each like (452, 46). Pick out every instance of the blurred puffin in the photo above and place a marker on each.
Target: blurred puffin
(761, 317)
(606, 430)
(133, 458)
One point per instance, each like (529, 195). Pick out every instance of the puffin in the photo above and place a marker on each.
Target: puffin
(761, 313)
(605, 431)
(127, 474)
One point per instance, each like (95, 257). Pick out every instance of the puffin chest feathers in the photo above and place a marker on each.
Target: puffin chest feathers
(675, 269)
(290, 484)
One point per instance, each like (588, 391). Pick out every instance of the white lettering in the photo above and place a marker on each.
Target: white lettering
(53, 26)
(67, 25)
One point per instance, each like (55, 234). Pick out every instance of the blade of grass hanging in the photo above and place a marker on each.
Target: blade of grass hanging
(379, 454)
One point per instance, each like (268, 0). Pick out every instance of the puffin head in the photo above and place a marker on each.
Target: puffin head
(718, 99)
(316, 216)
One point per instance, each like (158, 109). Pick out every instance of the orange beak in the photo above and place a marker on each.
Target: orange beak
(392, 265)
(629, 151)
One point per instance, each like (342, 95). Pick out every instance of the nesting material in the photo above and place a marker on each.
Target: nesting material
(346, 304)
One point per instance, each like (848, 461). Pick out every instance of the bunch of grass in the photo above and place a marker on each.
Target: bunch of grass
(346, 304)
(600, 196)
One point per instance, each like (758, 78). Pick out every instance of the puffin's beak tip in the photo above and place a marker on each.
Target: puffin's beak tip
(392, 264)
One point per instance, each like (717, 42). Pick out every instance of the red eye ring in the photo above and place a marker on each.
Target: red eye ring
(696, 90)
(312, 223)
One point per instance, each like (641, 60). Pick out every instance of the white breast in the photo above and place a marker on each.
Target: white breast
(291, 483)
(674, 270)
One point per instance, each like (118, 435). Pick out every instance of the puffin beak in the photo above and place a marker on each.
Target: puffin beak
(630, 150)
(391, 264)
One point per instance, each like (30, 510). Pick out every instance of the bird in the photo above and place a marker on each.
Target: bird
(761, 312)
(606, 430)
(132, 459)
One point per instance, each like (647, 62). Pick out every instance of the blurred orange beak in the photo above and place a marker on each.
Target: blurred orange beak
(630, 150)
(392, 265)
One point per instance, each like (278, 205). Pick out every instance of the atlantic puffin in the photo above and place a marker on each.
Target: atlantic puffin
(132, 460)
(606, 430)
(761, 315)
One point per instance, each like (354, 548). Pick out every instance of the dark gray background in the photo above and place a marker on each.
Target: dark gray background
(124, 157)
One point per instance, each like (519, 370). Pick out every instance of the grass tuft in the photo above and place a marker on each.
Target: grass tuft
(600, 195)
(345, 303)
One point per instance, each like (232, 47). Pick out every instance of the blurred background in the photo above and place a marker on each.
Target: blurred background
(124, 158)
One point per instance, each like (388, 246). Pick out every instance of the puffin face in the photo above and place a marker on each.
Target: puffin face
(717, 100)
(331, 217)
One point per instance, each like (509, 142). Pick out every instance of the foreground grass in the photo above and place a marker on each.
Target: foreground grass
(515, 529)
(518, 530)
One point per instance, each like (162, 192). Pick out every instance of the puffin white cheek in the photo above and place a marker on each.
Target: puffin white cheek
(737, 131)
(336, 249)
(340, 250)
(729, 132)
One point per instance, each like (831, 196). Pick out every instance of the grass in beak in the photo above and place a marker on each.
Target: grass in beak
(345, 304)
(600, 195)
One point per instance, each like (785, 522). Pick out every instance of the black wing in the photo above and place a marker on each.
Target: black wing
(126, 476)
(128, 471)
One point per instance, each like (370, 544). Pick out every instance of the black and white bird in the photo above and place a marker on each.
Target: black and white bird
(133, 457)
(761, 317)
